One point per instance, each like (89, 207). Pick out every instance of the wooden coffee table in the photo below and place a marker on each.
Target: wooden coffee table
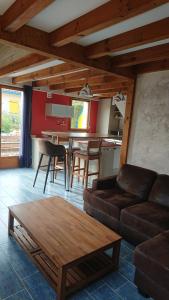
(66, 244)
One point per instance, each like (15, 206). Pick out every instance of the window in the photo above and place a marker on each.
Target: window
(81, 113)
(11, 112)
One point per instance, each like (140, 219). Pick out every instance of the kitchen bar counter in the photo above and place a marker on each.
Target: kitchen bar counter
(76, 136)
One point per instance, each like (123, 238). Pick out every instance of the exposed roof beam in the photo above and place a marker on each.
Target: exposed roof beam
(107, 94)
(100, 91)
(142, 56)
(22, 63)
(102, 87)
(153, 66)
(38, 41)
(61, 69)
(79, 75)
(20, 12)
(146, 34)
(103, 16)
(79, 83)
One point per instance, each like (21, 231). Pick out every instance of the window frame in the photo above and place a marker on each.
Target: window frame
(14, 157)
(88, 116)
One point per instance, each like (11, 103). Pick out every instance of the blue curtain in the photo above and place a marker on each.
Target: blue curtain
(26, 145)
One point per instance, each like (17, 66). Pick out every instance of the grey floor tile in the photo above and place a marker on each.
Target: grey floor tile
(39, 288)
(9, 281)
(22, 295)
(82, 295)
(129, 292)
(18, 259)
(105, 293)
(16, 187)
(115, 280)
(126, 269)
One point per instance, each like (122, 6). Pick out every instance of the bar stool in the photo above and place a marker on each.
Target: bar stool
(53, 152)
(64, 141)
(93, 152)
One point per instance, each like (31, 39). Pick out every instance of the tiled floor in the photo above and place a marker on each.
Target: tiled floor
(19, 278)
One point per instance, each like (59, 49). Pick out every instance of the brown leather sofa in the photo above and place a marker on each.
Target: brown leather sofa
(146, 220)
(151, 259)
(136, 204)
(110, 196)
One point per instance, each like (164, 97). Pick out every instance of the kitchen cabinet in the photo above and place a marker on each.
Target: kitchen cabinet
(57, 110)
(109, 119)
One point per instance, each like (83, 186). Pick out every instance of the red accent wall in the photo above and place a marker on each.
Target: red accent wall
(40, 122)
(93, 116)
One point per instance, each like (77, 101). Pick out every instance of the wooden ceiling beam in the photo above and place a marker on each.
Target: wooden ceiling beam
(100, 91)
(107, 94)
(105, 97)
(22, 63)
(142, 56)
(38, 41)
(20, 12)
(146, 34)
(153, 67)
(91, 81)
(102, 87)
(59, 70)
(79, 75)
(103, 16)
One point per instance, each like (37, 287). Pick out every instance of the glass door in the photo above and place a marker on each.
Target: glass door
(11, 124)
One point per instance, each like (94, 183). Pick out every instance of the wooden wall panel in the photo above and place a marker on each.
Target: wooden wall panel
(127, 122)
(9, 162)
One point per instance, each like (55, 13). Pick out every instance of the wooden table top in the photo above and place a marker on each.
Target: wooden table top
(61, 230)
(77, 135)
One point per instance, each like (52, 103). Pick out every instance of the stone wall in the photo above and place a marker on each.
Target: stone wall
(149, 139)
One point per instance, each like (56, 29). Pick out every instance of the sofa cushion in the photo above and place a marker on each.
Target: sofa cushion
(110, 201)
(147, 217)
(152, 258)
(108, 182)
(136, 180)
(160, 190)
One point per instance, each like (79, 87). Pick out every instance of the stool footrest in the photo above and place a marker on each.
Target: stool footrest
(81, 169)
(95, 173)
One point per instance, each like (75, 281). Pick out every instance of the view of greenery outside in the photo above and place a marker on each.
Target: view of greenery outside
(80, 117)
(10, 123)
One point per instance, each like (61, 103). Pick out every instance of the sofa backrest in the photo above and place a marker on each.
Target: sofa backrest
(136, 180)
(160, 190)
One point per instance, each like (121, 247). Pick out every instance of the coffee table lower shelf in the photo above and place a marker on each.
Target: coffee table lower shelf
(77, 276)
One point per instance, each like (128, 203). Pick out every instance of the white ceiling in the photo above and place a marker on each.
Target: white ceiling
(61, 12)
(37, 68)
(162, 42)
(4, 4)
(64, 11)
(153, 15)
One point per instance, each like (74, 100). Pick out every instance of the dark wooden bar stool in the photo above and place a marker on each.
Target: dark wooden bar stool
(93, 152)
(53, 152)
(64, 141)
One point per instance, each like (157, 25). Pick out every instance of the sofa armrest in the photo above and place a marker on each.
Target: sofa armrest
(104, 183)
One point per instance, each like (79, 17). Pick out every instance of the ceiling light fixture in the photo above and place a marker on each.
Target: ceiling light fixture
(86, 91)
(118, 97)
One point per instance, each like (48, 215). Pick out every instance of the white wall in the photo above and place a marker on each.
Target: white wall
(149, 139)
(103, 116)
